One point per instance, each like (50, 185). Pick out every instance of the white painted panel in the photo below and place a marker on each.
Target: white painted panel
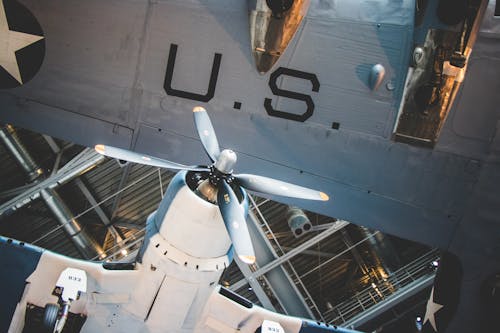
(195, 226)
(172, 305)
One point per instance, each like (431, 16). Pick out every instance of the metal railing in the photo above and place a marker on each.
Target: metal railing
(385, 290)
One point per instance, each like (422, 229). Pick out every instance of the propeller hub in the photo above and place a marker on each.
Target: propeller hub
(226, 161)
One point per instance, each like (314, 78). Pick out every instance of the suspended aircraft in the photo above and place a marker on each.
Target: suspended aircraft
(191, 239)
(390, 107)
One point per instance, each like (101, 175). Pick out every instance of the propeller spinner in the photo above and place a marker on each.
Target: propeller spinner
(220, 176)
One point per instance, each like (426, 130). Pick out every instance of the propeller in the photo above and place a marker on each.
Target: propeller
(220, 176)
(127, 155)
(206, 133)
(236, 224)
(277, 187)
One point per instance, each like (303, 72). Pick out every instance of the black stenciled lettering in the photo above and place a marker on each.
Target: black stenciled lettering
(167, 85)
(291, 94)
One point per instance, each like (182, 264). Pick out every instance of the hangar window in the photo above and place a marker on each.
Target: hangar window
(497, 8)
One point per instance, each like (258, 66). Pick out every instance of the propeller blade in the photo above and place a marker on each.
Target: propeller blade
(206, 132)
(236, 224)
(277, 187)
(127, 155)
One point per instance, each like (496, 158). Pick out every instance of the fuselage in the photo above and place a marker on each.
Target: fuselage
(186, 249)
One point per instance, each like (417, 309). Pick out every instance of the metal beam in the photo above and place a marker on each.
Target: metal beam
(255, 285)
(118, 198)
(52, 143)
(401, 295)
(281, 285)
(83, 188)
(14, 145)
(85, 244)
(338, 255)
(338, 225)
(315, 253)
(102, 215)
(84, 161)
(15, 191)
(355, 253)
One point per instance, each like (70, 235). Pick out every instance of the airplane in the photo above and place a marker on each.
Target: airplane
(390, 107)
(173, 285)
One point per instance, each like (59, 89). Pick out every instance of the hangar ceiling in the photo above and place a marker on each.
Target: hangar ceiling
(336, 270)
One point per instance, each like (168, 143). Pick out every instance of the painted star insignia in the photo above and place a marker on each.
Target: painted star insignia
(430, 312)
(10, 42)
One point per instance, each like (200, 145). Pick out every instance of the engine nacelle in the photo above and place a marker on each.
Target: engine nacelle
(192, 224)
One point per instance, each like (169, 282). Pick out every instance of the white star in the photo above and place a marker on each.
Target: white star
(431, 310)
(10, 42)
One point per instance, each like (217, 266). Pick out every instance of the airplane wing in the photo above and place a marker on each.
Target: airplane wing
(17, 262)
(120, 298)
(228, 312)
(131, 82)
(29, 276)
(128, 75)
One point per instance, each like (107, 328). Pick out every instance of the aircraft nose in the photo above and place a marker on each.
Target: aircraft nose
(227, 160)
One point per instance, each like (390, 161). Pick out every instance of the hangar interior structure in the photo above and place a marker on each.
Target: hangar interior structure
(73, 201)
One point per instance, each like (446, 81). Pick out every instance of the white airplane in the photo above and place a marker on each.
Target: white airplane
(191, 239)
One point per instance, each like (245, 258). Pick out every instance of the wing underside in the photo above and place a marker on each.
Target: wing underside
(228, 312)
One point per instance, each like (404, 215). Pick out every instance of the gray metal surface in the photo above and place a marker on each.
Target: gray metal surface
(135, 102)
(102, 82)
